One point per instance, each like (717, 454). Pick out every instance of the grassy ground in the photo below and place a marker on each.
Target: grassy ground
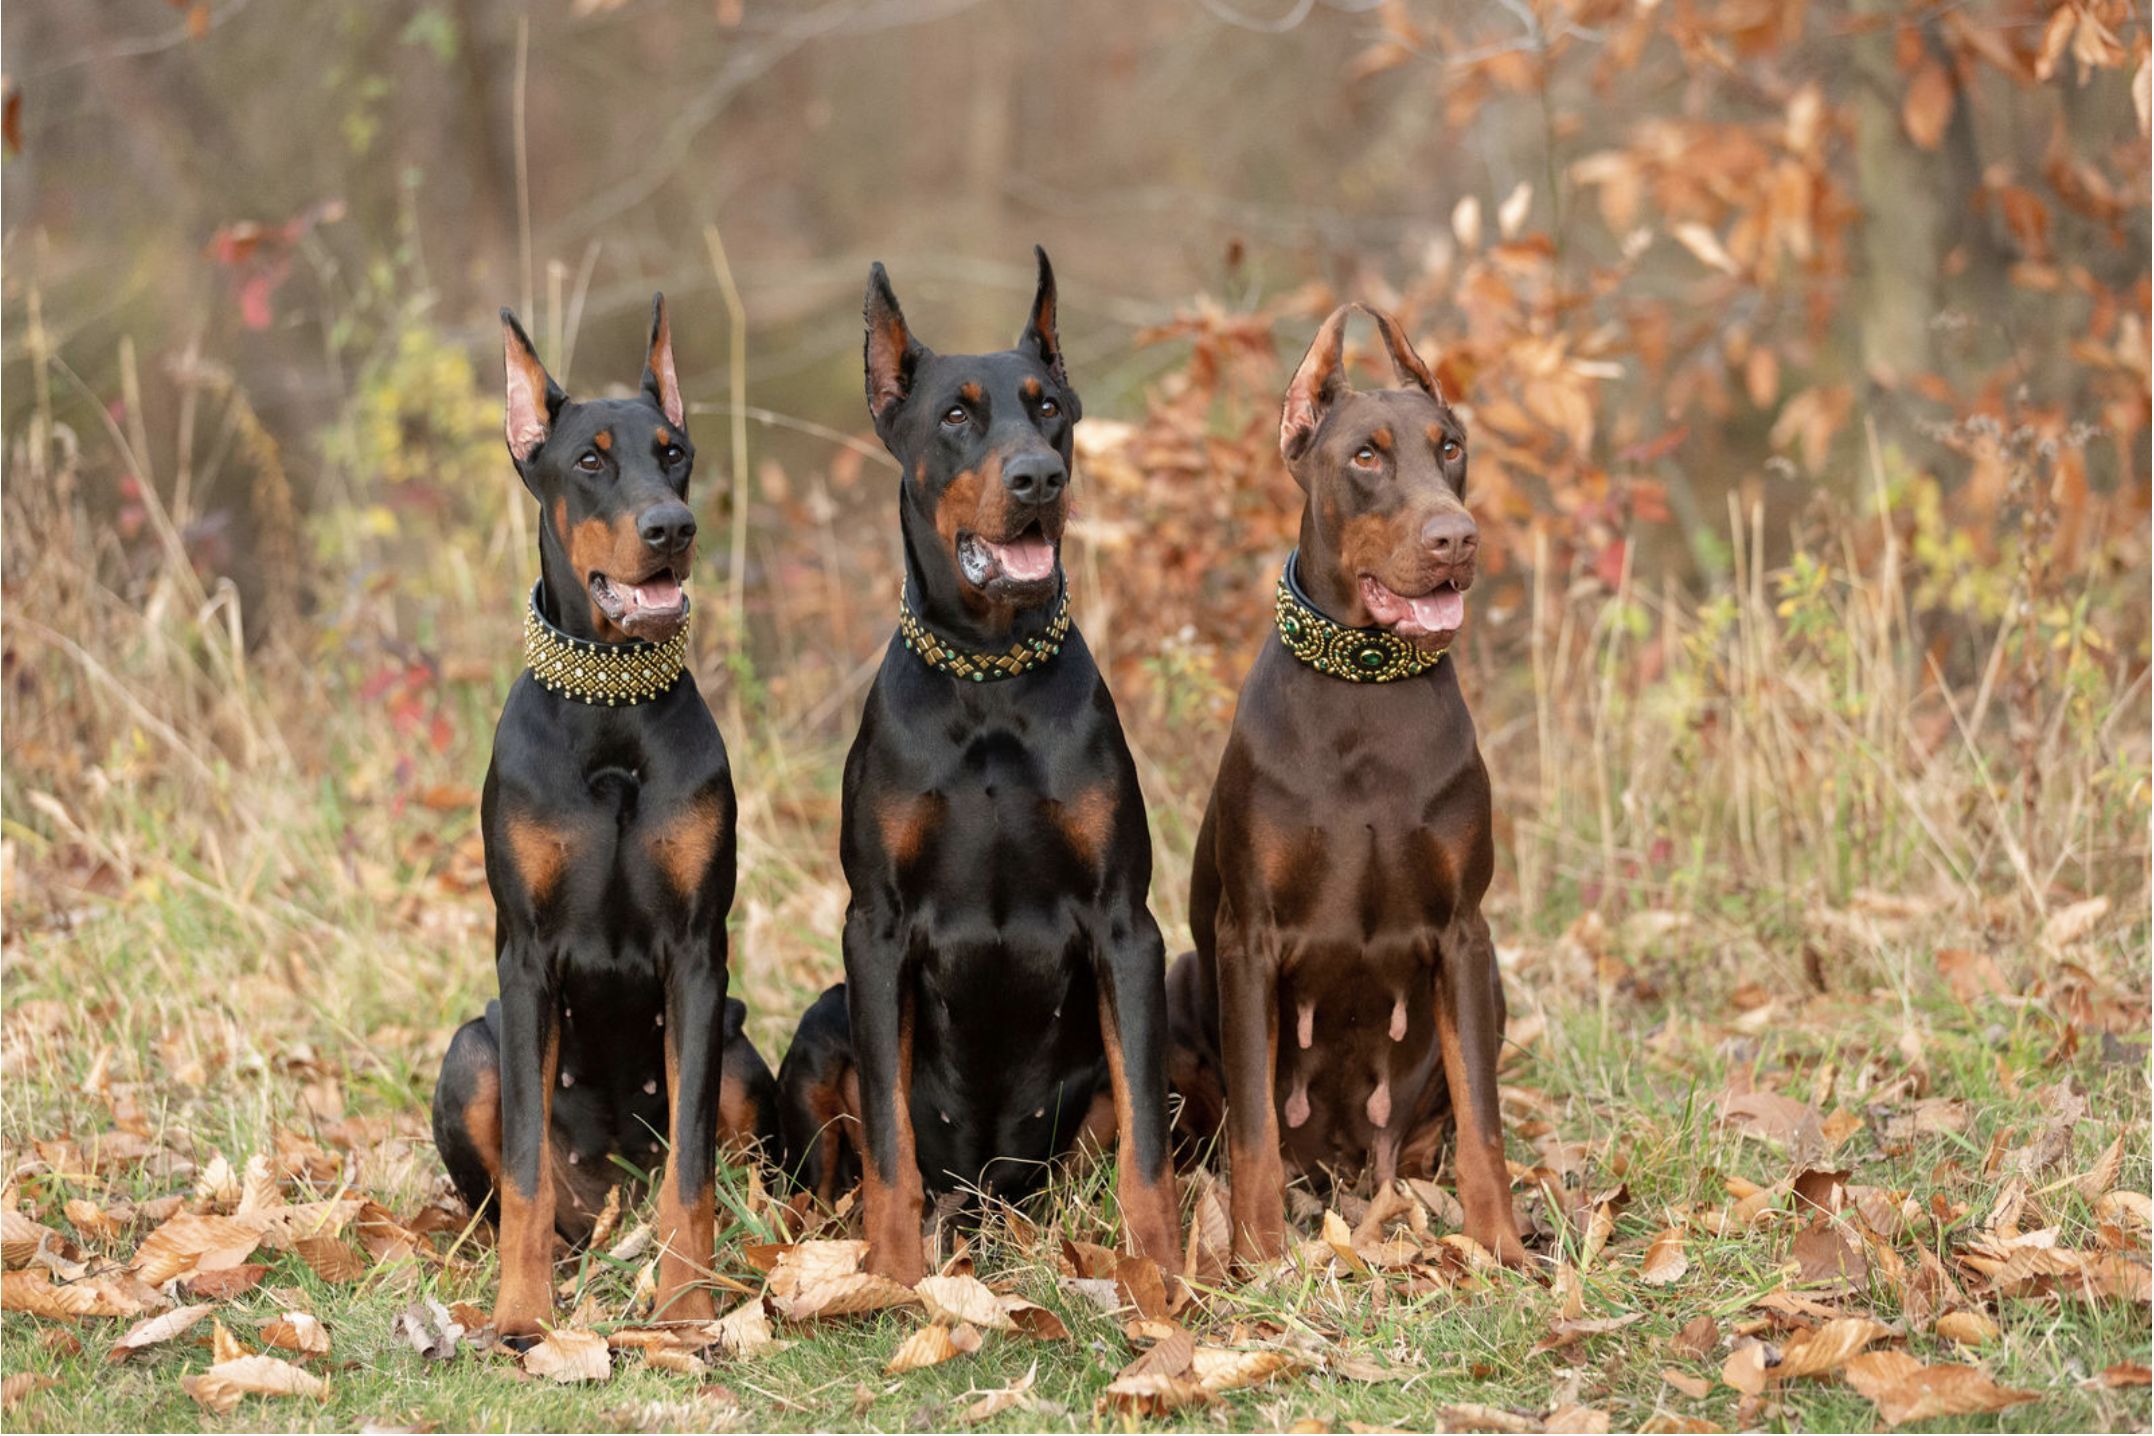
(1792, 881)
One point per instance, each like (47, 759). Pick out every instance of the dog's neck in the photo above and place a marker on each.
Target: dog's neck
(1335, 594)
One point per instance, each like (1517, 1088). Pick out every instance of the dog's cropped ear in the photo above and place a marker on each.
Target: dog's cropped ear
(660, 381)
(892, 355)
(1316, 385)
(1403, 358)
(1040, 336)
(533, 399)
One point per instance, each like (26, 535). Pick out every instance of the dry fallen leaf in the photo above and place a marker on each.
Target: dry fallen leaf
(745, 1330)
(429, 1329)
(1340, 1238)
(812, 1280)
(1221, 1368)
(675, 1360)
(1824, 1252)
(296, 1331)
(33, 1291)
(565, 1354)
(932, 1345)
(1032, 1319)
(221, 1387)
(1695, 1387)
(22, 1238)
(1745, 1367)
(190, 1243)
(1905, 1390)
(993, 1403)
(1826, 1348)
(16, 1388)
(1142, 1286)
(954, 1300)
(1968, 1328)
(1665, 1260)
(1698, 1337)
(156, 1329)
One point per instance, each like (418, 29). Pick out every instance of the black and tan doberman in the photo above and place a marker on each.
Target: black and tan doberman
(1004, 979)
(608, 821)
(1343, 1007)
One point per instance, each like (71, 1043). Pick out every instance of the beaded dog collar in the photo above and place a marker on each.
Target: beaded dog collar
(1358, 655)
(614, 674)
(1022, 657)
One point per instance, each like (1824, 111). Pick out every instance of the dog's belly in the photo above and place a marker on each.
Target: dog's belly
(1006, 1049)
(1359, 1068)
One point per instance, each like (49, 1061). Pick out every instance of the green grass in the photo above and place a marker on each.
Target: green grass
(167, 976)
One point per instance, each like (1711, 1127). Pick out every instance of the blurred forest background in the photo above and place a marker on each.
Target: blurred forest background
(1804, 352)
(1804, 346)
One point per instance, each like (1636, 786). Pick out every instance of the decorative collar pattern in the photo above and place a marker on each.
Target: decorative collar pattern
(1358, 655)
(1021, 657)
(613, 674)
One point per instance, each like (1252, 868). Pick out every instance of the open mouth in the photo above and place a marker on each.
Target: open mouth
(1025, 561)
(1439, 613)
(653, 607)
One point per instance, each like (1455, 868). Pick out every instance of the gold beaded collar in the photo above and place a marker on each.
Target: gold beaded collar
(617, 675)
(1358, 655)
(1022, 657)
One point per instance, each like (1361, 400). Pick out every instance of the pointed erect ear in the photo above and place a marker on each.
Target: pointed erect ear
(659, 379)
(892, 354)
(533, 399)
(1403, 359)
(1316, 384)
(1040, 336)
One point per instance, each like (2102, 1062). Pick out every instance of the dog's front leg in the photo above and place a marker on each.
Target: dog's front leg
(1249, 1050)
(1469, 1031)
(530, 1062)
(695, 1064)
(878, 1001)
(1133, 1026)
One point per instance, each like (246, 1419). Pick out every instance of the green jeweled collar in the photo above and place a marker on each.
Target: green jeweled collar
(617, 675)
(1021, 657)
(1358, 655)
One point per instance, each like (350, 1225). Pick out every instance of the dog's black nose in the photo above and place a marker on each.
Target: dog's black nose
(1451, 536)
(667, 527)
(1035, 478)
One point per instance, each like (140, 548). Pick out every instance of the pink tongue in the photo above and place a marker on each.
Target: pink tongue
(661, 592)
(1031, 557)
(1440, 612)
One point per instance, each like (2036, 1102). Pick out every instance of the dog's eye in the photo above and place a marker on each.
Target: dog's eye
(674, 453)
(1365, 456)
(589, 462)
(1451, 451)
(955, 416)
(1049, 408)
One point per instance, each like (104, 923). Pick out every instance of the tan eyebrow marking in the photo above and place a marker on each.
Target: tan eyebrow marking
(1031, 388)
(970, 393)
(1381, 438)
(665, 435)
(603, 438)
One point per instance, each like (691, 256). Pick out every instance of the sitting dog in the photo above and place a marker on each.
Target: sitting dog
(1003, 974)
(608, 821)
(1343, 983)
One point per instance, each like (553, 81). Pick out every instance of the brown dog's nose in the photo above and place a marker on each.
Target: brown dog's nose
(1451, 536)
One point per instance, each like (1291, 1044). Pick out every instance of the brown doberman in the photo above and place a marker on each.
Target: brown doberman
(1337, 884)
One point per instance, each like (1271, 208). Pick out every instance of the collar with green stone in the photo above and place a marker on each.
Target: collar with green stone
(614, 675)
(943, 656)
(1358, 655)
